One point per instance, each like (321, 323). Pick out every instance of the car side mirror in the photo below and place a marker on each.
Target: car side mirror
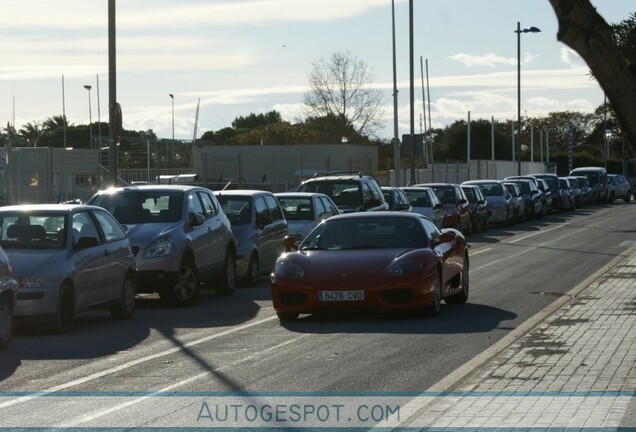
(290, 243)
(438, 206)
(263, 220)
(85, 243)
(195, 219)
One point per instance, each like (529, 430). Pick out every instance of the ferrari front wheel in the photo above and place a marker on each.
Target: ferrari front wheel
(462, 296)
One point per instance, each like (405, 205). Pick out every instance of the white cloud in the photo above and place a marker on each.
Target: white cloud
(571, 58)
(490, 60)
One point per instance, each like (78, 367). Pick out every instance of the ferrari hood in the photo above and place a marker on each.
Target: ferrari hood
(330, 265)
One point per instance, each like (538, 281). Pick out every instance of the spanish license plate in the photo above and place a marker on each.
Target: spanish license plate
(340, 295)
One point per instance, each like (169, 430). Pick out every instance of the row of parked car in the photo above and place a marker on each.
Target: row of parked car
(58, 260)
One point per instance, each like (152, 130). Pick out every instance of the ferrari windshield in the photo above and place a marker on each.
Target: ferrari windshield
(384, 232)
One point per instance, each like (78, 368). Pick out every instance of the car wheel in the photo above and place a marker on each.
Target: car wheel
(6, 323)
(287, 316)
(227, 281)
(436, 304)
(185, 290)
(124, 308)
(628, 197)
(462, 296)
(65, 311)
(251, 276)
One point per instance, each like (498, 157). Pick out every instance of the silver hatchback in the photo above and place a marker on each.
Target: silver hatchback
(180, 237)
(67, 259)
(259, 225)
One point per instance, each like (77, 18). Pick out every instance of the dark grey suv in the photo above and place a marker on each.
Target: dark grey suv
(180, 237)
(351, 192)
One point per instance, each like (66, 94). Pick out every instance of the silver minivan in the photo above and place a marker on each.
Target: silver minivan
(180, 237)
(259, 225)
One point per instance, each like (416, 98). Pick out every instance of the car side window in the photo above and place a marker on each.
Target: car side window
(366, 192)
(262, 213)
(208, 205)
(328, 206)
(83, 226)
(194, 205)
(274, 208)
(320, 207)
(431, 229)
(376, 190)
(111, 229)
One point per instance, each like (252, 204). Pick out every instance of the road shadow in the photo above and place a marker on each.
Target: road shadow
(95, 334)
(452, 319)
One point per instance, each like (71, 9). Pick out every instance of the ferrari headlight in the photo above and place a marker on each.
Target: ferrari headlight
(159, 248)
(31, 282)
(404, 268)
(289, 270)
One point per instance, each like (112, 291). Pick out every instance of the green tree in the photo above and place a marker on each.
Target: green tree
(341, 89)
(255, 120)
(609, 53)
(31, 133)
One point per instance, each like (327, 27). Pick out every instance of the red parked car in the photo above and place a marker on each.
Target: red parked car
(380, 260)
(455, 205)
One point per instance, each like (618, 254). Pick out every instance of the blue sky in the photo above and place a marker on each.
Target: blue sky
(253, 56)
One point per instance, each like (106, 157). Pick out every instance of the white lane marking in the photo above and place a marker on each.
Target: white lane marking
(133, 363)
(91, 417)
(537, 233)
(480, 251)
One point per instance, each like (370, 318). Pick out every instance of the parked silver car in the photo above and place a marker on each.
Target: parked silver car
(425, 202)
(500, 201)
(618, 188)
(304, 210)
(8, 289)
(259, 225)
(180, 237)
(67, 259)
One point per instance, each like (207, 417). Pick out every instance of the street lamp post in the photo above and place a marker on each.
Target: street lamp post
(518, 143)
(172, 143)
(90, 116)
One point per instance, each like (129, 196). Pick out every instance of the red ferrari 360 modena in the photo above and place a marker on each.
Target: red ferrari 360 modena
(381, 260)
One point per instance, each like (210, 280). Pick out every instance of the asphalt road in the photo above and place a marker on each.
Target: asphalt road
(237, 344)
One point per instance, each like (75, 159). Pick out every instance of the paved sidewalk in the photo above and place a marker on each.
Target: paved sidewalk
(575, 369)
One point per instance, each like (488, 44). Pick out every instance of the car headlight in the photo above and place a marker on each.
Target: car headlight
(289, 270)
(158, 248)
(31, 282)
(404, 268)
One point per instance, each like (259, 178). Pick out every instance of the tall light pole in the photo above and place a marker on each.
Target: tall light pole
(90, 116)
(518, 143)
(172, 144)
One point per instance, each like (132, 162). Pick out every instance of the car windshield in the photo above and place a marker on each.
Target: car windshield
(446, 194)
(512, 190)
(470, 194)
(524, 187)
(296, 208)
(237, 208)
(491, 189)
(142, 206)
(418, 198)
(552, 182)
(34, 230)
(367, 233)
(342, 192)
